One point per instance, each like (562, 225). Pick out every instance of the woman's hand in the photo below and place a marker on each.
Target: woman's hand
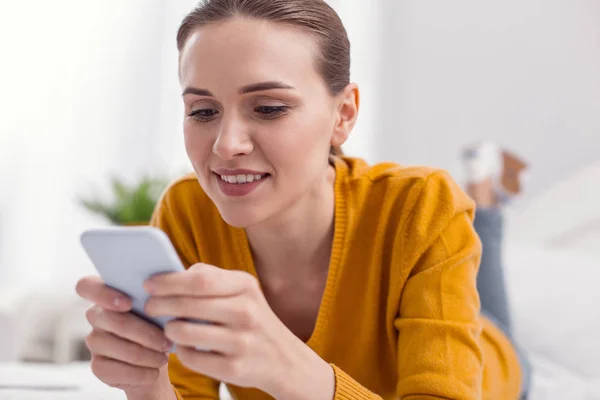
(127, 352)
(250, 346)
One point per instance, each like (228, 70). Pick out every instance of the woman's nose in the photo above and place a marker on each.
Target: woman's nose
(233, 140)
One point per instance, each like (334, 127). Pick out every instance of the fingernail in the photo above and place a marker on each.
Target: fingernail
(120, 302)
(150, 287)
(167, 344)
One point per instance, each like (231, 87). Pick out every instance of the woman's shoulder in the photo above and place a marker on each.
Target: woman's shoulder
(389, 173)
(418, 201)
(405, 183)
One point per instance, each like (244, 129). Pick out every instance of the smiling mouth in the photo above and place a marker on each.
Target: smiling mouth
(241, 179)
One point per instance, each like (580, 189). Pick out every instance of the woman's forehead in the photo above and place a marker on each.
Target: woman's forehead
(243, 51)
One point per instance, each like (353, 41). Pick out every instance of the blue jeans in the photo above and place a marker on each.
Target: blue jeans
(489, 224)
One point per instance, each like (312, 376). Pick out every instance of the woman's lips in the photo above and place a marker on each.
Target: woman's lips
(238, 183)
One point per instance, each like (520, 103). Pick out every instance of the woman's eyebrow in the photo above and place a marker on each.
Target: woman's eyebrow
(257, 87)
(254, 87)
(199, 92)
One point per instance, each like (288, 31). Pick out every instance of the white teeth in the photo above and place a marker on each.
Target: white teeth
(239, 179)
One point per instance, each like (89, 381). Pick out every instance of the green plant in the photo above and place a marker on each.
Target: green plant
(131, 204)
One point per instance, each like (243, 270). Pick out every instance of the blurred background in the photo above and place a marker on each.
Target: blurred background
(89, 94)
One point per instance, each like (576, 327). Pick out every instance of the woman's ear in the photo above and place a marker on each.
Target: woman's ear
(348, 102)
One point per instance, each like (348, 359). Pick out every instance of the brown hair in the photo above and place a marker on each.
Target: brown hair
(314, 16)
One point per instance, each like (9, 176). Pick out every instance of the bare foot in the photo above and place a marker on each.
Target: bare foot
(512, 172)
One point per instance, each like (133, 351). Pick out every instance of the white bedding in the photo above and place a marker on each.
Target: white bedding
(49, 382)
(75, 381)
(553, 381)
(555, 298)
(553, 276)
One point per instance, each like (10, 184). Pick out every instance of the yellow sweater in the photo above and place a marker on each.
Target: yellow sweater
(399, 318)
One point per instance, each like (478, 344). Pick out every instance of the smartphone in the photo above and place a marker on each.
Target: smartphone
(125, 257)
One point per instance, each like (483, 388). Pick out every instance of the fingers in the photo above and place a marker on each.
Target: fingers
(230, 311)
(126, 350)
(206, 336)
(117, 373)
(130, 327)
(210, 364)
(201, 280)
(106, 344)
(92, 288)
(217, 366)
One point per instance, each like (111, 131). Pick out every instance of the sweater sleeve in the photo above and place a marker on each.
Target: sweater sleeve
(438, 324)
(346, 388)
(187, 384)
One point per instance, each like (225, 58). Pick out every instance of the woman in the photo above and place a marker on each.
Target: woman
(322, 277)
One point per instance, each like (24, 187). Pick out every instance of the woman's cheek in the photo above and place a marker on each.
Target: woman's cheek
(196, 142)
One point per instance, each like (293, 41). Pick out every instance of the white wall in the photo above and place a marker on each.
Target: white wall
(524, 73)
(80, 81)
(170, 138)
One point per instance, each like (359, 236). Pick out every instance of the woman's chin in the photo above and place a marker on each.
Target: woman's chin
(240, 217)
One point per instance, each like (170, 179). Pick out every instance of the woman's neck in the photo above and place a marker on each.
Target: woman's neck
(297, 242)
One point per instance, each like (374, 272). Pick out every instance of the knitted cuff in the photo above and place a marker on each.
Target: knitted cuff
(347, 388)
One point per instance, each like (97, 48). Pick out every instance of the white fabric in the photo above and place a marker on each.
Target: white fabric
(565, 216)
(74, 381)
(556, 318)
(52, 382)
(552, 381)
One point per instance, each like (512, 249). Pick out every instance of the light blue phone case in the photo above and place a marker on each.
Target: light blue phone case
(125, 257)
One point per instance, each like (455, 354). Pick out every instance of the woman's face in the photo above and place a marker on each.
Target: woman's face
(259, 118)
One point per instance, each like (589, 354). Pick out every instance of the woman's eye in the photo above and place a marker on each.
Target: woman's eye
(203, 115)
(270, 112)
